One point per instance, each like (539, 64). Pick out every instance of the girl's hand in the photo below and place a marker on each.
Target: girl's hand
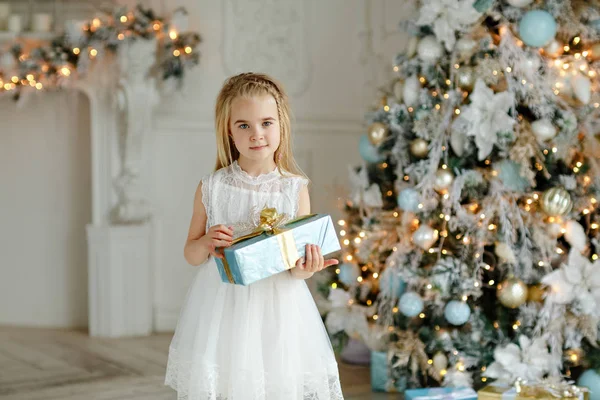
(217, 236)
(313, 260)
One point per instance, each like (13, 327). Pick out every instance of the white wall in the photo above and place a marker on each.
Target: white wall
(45, 202)
(317, 48)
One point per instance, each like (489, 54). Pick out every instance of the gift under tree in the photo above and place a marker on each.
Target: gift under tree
(472, 232)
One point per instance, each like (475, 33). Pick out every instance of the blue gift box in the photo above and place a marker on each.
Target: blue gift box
(441, 393)
(267, 254)
(380, 374)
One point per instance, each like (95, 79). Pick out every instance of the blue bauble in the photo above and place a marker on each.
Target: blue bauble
(509, 173)
(410, 304)
(367, 151)
(391, 284)
(591, 380)
(348, 273)
(408, 200)
(457, 312)
(537, 28)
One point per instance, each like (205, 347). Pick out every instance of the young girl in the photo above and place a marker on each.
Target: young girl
(265, 341)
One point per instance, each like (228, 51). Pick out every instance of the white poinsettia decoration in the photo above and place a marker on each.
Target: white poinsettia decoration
(458, 379)
(577, 282)
(531, 360)
(447, 17)
(345, 315)
(361, 191)
(485, 117)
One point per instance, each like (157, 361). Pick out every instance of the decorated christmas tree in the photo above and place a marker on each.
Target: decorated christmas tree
(471, 239)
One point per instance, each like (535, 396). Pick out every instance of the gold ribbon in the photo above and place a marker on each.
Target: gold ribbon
(550, 389)
(272, 223)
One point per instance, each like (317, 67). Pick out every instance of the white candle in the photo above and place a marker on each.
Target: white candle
(41, 22)
(15, 23)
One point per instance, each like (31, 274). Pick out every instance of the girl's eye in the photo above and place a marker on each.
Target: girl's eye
(267, 123)
(244, 126)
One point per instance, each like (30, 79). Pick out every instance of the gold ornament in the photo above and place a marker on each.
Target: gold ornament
(595, 51)
(443, 180)
(535, 293)
(556, 201)
(377, 133)
(418, 148)
(465, 78)
(512, 293)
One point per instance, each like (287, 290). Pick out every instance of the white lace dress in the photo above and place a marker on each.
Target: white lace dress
(265, 341)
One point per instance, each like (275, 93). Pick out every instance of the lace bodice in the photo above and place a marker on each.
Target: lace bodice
(234, 198)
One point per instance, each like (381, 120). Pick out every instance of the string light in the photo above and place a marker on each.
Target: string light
(342, 233)
(359, 279)
(123, 18)
(346, 242)
(349, 257)
(363, 234)
(173, 34)
(341, 222)
(422, 315)
(334, 285)
(337, 271)
(121, 36)
(491, 282)
(395, 310)
(396, 68)
(76, 50)
(541, 263)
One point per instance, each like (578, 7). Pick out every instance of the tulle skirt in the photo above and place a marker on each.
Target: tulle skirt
(265, 341)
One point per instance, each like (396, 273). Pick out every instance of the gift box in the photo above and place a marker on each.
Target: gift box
(441, 393)
(380, 374)
(274, 247)
(497, 392)
(541, 391)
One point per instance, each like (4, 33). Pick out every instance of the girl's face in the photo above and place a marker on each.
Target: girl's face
(254, 127)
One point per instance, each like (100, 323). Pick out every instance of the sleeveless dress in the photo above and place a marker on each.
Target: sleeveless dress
(265, 341)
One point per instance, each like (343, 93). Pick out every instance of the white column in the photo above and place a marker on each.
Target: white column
(122, 101)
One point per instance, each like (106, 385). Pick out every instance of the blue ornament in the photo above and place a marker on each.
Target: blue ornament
(409, 199)
(367, 151)
(591, 380)
(391, 284)
(348, 273)
(457, 312)
(509, 173)
(410, 304)
(537, 28)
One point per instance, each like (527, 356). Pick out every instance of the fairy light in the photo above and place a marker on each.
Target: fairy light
(123, 18)
(444, 251)
(396, 68)
(554, 149)
(594, 257)
(346, 242)
(173, 34)
(430, 361)
(93, 52)
(437, 106)
(429, 286)
(342, 233)
(457, 111)
(395, 310)
(362, 234)
(394, 249)
(586, 211)
(446, 196)
(406, 178)
(337, 271)
(431, 251)
(341, 222)
(15, 79)
(176, 53)
(446, 96)
(375, 317)
(375, 275)
(357, 240)
(465, 298)
(508, 69)
(447, 218)
(476, 284)
(496, 324)
(121, 36)
(593, 200)
(420, 206)
(369, 302)
(422, 315)
(349, 257)
(359, 279)
(541, 263)
(422, 79)
(156, 26)
(491, 282)
(39, 86)
(559, 250)
(334, 285)
(484, 379)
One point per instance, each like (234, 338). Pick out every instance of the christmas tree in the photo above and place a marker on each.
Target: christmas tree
(471, 239)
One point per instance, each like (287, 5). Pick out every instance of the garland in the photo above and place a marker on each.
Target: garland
(54, 64)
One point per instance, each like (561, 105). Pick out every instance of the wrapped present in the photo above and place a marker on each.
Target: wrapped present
(380, 374)
(544, 390)
(441, 393)
(275, 246)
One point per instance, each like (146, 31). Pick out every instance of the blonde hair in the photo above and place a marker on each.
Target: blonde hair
(250, 84)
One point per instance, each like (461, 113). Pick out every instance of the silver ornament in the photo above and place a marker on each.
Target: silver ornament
(429, 49)
(443, 180)
(519, 3)
(419, 148)
(543, 129)
(425, 237)
(512, 293)
(465, 78)
(411, 91)
(440, 361)
(554, 48)
(556, 202)
(465, 46)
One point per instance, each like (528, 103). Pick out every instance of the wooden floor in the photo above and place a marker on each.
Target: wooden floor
(38, 364)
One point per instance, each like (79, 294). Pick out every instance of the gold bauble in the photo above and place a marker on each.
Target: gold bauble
(595, 51)
(535, 293)
(377, 133)
(419, 148)
(465, 78)
(556, 201)
(512, 293)
(443, 180)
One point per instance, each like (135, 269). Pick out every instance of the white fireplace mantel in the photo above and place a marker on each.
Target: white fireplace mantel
(122, 95)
